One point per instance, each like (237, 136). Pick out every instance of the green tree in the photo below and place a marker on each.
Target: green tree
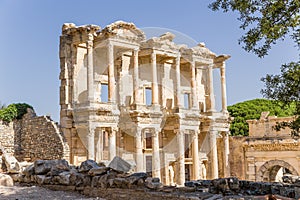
(14, 111)
(286, 88)
(266, 22)
(252, 109)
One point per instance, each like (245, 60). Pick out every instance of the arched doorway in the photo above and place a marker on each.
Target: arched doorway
(268, 171)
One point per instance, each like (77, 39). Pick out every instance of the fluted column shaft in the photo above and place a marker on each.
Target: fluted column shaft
(139, 150)
(181, 167)
(155, 155)
(211, 89)
(90, 68)
(195, 157)
(213, 154)
(193, 84)
(135, 76)
(111, 74)
(178, 91)
(112, 143)
(223, 88)
(226, 154)
(154, 79)
(91, 143)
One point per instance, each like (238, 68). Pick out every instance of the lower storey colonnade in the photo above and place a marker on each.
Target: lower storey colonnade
(173, 156)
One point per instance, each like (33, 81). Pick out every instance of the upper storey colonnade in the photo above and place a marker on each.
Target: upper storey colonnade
(121, 38)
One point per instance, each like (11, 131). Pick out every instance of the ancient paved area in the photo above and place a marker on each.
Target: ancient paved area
(34, 192)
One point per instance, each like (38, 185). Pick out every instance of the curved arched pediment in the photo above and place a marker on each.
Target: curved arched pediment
(124, 30)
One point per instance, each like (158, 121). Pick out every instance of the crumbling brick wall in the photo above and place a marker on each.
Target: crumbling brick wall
(7, 137)
(33, 137)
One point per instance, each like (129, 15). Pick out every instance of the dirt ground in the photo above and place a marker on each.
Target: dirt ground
(35, 192)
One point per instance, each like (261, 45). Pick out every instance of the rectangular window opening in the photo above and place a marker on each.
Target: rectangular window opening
(186, 97)
(187, 145)
(104, 92)
(148, 96)
(148, 141)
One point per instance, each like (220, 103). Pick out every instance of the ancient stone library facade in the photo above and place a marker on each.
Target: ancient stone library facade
(148, 101)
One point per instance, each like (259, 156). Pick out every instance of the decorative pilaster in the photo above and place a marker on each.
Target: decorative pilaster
(211, 89)
(180, 160)
(139, 150)
(135, 76)
(112, 143)
(178, 91)
(154, 79)
(213, 154)
(111, 74)
(223, 88)
(90, 68)
(155, 155)
(195, 156)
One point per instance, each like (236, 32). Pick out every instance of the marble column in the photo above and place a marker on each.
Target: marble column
(193, 84)
(139, 151)
(226, 154)
(111, 74)
(178, 91)
(155, 154)
(91, 143)
(112, 143)
(180, 160)
(223, 88)
(90, 68)
(136, 98)
(154, 79)
(99, 145)
(213, 154)
(195, 156)
(211, 89)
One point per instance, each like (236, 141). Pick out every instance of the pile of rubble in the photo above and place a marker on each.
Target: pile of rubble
(233, 186)
(114, 181)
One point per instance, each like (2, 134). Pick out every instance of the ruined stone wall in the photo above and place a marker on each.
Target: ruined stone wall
(33, 138)
(264, 127)
(7, 137)
(236, 157)
(220, 147)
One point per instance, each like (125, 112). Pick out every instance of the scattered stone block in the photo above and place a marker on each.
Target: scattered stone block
(6, 180)
(44, 166)
(28, 171)
(120, 165)
(87, 165)
(11, 163)
(98, 171)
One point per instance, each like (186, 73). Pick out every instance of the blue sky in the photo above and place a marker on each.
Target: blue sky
(29, 43)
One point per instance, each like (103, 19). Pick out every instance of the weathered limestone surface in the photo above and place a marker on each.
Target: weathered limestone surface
(148, 101)
(7, 136)
(32, 138)
(265, 152)
(11, 163)
(6, 180)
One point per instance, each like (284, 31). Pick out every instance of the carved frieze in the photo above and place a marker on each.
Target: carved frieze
(273, 147)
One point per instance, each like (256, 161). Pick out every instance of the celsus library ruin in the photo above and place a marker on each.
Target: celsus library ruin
(149, 101)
